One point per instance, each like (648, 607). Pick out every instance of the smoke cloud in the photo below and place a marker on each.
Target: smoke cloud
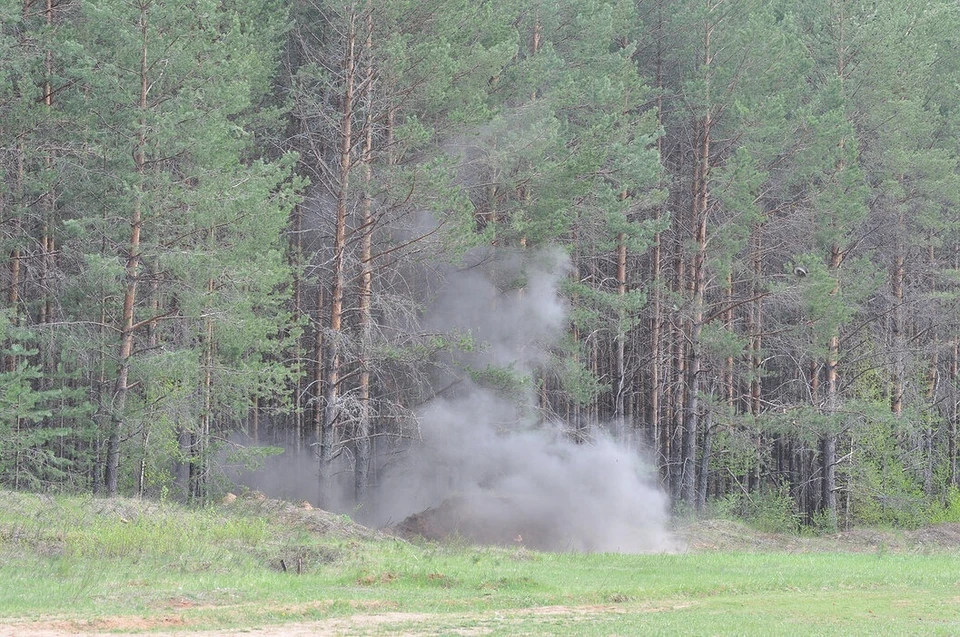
(484, 466)
(486, 469)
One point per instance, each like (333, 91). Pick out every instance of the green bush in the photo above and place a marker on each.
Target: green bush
(768, 510)
(948, 510)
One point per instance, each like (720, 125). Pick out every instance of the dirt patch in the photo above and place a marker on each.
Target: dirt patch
(388, 622)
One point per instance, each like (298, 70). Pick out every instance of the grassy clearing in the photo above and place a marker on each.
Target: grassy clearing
(87, 564)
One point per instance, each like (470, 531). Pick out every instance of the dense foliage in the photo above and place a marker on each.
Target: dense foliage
(225, 222)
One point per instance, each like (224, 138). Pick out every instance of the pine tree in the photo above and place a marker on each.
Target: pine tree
(173, 154)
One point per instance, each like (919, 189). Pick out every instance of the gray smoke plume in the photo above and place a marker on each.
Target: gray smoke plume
(486, 469)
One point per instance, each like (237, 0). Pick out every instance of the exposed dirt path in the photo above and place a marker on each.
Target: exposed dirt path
(396, 624)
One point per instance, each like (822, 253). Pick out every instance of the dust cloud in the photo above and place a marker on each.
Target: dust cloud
(482, 464)
(486, 468)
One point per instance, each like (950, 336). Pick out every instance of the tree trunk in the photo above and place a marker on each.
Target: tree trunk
(331, 407)
(16, 266)
(48, 200)
(898, 343)
(619, 412)
(364, 429)
(933, 379)
(729, 386)
(829, 440)
(296, 266)
(201, 447)
(695, 359)
(131, 276)
(705, 457)
(756, 326)
(699, 206)
(319, 352)
(954, 411)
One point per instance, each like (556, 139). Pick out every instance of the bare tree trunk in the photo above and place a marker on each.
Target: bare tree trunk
(728, 372)
(296, 266)
(898, 341)
(954, 411)
(695, 359)
(933, 378)
(705, 457)
(678, 346)
(331, 407)
(829, 440)
(364, 429)
(201, 449)
(48, 201)
(319, 352)
(660, 440)
(699, 205)
(621, 337)
(756, 326)
(254, 432)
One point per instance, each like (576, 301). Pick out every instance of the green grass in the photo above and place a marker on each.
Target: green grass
(100, 565)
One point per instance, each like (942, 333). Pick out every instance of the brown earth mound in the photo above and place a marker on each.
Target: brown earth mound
(727, 535)
(493, 519)
(455, 518)
(303, 515)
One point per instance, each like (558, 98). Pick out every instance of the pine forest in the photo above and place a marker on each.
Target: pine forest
(339, 239)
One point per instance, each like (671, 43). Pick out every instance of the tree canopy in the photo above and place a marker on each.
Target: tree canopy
(258, 226)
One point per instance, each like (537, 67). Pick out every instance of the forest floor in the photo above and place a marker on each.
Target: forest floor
(125, 567)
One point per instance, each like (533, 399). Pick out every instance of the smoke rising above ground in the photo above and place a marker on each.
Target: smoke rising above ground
(491, 477)
(483, 466)
(487, 470)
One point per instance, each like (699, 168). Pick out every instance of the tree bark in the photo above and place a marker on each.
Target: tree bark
(364, 428)
(829, 439)
(705, 457)
(331, 413)
(898, 343)
(756, 326)
(699, 206)
(695, 359)
(619, 411)
(954, 411)
(131, 273)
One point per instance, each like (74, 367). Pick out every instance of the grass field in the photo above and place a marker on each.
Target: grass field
(82, 565)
